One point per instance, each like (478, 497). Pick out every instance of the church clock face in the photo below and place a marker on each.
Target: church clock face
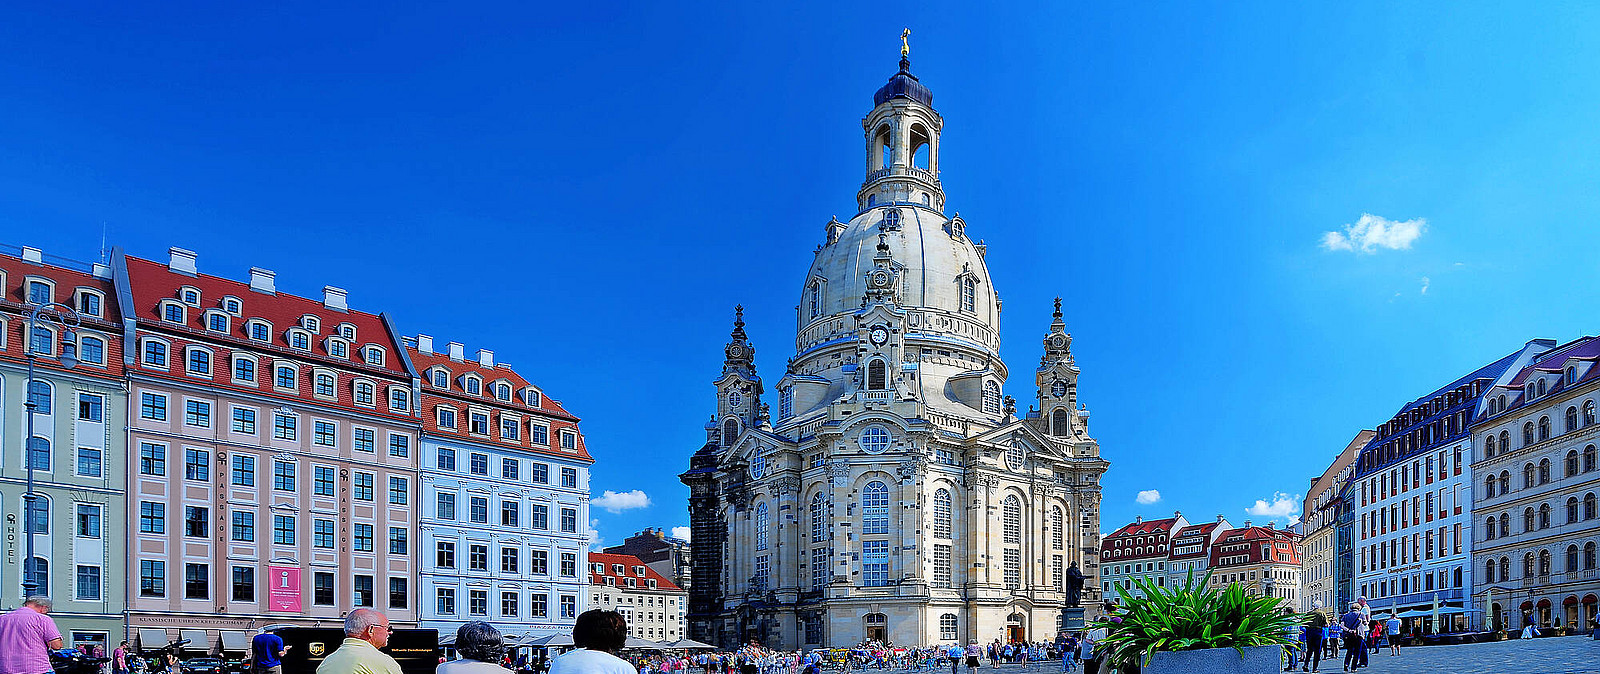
(1058, 341)
(1058, 389)
(879, 336)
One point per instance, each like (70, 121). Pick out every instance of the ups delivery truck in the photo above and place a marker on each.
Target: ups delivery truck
(416, 650)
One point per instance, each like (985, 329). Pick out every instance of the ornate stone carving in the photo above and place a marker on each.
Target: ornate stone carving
(912, 467)
(787, 484)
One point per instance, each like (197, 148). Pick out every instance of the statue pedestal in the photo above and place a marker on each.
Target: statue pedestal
(1072, 619)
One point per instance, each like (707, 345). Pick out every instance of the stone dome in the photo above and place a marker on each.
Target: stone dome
(904, 85)
(932, 256)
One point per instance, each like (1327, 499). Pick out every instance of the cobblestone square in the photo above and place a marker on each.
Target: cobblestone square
(1554, 655)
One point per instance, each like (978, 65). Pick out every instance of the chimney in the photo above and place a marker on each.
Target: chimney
(458, 351)
(1220, 519)
(1272, 525)
(31, 254)
(335, 298)
(181, 261)
(1247, 524)
(1138, 519)
(485, 357)
(261, 280)
(424, 343)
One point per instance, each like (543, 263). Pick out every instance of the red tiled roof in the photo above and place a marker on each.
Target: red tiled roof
(549, 411)
(151, 282)
(1145, 527)
(13, 301)
(1203, 534)
(628, 562)
(1285, 548)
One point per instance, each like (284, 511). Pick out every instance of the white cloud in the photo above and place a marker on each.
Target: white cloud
(1425, 283)
(1373, 232)
(1282, 507)
(613, 502)
(596, 541)
(1148, 496)
(680, 532)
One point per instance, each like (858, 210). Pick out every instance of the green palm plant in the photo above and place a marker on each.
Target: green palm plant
(1192, 617)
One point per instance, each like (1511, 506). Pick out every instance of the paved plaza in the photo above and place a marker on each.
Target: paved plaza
(1553, 655)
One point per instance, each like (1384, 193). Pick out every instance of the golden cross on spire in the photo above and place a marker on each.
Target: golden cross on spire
(905, 46)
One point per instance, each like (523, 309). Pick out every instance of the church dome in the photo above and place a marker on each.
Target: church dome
(904, 85)
(936, 267)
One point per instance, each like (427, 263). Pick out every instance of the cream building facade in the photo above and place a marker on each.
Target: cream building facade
(653, 606)
(896, 494)
(1320, 522)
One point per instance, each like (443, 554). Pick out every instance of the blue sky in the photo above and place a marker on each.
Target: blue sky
(588, 190)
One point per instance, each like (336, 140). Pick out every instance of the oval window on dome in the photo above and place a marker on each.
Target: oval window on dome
(874, 440)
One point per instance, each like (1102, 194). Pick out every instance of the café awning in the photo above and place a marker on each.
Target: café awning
(198, 641)
(152, 637)
(234, 640)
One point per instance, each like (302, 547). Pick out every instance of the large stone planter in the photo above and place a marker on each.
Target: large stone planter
(1256, 660)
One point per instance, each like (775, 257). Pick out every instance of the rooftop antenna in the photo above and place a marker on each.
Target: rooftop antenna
(105, 255)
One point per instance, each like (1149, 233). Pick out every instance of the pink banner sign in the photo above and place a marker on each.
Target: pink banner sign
(283, 594)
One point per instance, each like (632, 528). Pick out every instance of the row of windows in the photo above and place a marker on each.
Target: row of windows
(510, 603)
(87, 585)
(285, 425)
(300, 337)
(1533, 476)
(1540, 565)
(1416, 547)
(510, 559)
(1533, 433)
(42, 291)
(510, 513)
(86, 523)
(1414, 475)
(198, 362)
(508, 427)
(471, 384)
(510, 468)
(197, 467)
(42, 340)
(197, 584)
(1535, 520)
(242, 528)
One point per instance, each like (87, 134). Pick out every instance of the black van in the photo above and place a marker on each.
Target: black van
(417, 650)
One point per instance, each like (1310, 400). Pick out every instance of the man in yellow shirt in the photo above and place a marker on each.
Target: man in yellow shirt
(365, 631)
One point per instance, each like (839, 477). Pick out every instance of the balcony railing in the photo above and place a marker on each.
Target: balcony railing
(912, 171)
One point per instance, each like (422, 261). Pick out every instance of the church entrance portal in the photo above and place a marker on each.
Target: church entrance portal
(1014, 630)
(877, 627)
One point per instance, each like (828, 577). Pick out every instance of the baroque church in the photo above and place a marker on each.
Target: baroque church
(896, 495)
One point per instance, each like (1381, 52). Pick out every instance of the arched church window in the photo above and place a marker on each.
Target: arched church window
(1015, 456)
(877, 375)
(819, 523)
(942, 517)
(730, 431)
(816, 299)
(786, 403)
(1056, 527)
(875, 508)
(874, 440)
(762, 526)
(1011, 520)
(991, 398)
(1058, 422)
(969, 294)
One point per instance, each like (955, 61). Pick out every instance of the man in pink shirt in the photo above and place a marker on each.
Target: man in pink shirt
(27, 636)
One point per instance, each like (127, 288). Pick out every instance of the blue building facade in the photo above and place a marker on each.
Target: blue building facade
(1412, 501)
(504, 524)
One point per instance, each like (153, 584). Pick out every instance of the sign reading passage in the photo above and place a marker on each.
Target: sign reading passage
(283, 594)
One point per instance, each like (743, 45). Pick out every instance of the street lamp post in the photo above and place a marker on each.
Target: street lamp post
(64, 316)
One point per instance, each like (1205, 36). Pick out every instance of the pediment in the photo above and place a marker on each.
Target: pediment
(1021, 429)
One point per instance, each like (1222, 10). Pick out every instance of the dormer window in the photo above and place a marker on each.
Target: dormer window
(441, 379)
(503, 391)
(652, 583)
(969, 295)
(89, 303)
(324, 384)
(338, 348)
(472, 385)
(172, 312)
(532, 397)
(190, 296)
(365, 393)
(374, 355)
(399, 399)
(311, 323)
(347, 331)
(232, 305)
(638, 571)
(260, 330)
(217, 321)
(39, 292)
(617, 569)
(299, 339)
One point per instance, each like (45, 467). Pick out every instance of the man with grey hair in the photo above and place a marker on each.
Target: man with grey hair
(27, 635)
(365, 631)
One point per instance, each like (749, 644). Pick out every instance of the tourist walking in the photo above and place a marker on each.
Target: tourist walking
(1375, 641)
(481, 648)
(266, 649)
(365, 631)
(119, 659)
(1316, 629)
(598, 635)
(27, 635)
(1352, 627)
(1392, 628)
